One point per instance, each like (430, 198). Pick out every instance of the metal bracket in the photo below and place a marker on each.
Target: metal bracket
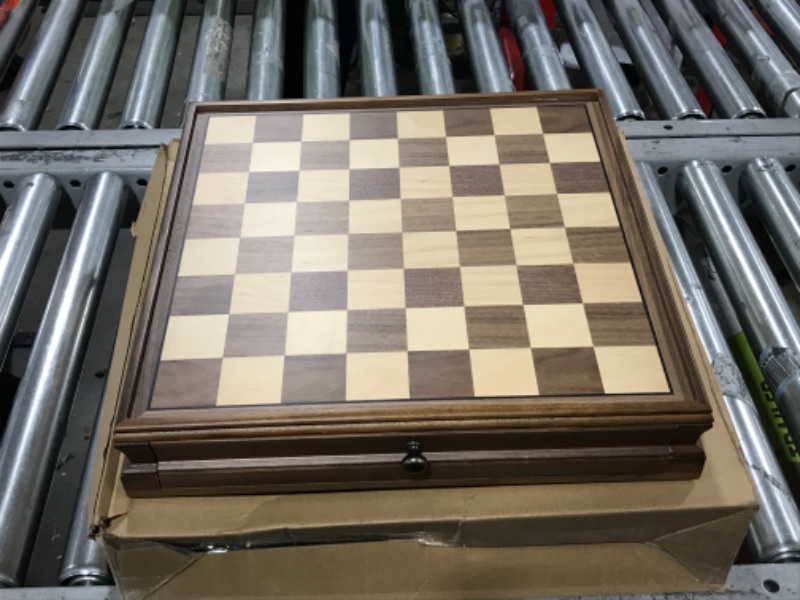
(72, 157)
(668, 145)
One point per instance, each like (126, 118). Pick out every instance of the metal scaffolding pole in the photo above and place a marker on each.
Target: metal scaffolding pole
(666, 85)
(150, 82)
(774, 534)
(11, 33)
(212, 53)
(375, 45)
(23, 231)
(33, 434)
(770, 73)
(321, 71)
(433, 65)
(84, 561)
(489, 66)
(729, 94)
(31, 90)
(766, 318)
(267, 45)
(542, 59)
(87, 97)
(597, 58)
(783, 18)
(777, 202)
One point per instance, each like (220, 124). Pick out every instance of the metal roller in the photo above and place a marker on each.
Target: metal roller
(489, 66)
(84, 561)
(783, 18)
(671, 94)
(375, 44)
(597, 58)
(33, 434)
(23, 232)
(87, 97)
(322, 76)
(770, 73)
(150, 82)
(729, 94)
(267, 46)
(766, 318)
(774, 534)
(212, 52)
(11, 33)
(542, 59)
(430, 53)
(28, 97)
(777, 202)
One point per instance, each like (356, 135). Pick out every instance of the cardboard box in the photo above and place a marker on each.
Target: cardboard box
(490, 542)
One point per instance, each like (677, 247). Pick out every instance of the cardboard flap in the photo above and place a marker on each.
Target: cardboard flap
(693, 547)
(144, 568)
(401, 569)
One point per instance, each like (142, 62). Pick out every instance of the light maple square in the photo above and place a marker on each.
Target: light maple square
(377, 376)
(254, 380)
(316, 332)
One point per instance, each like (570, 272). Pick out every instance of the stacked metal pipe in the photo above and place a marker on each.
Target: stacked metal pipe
(28, 97)
(666, 85)
(770, 74)
(265, 71)
(767, 320)
(322, 68)
(539, 52)
(147, 95)
(729, 94)
(774, 534)
(375, 43)
(433, 65)
(489, 66)
(598, 59)
(33, 434)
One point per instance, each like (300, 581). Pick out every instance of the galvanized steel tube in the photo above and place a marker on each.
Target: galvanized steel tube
(84, 561)
(430, 53)
(489, 66)
(771, 75)
(23, 232)
(212, 53)
(539, 52)
(11, 33)
(597, 58)
(89, 92)
(150, 82)
(375, 44)
(729, 94)
(666, 85)
(783, 18)
(777, 202)
(31, 90)
(321, 76)
(766, 318)
(34, 431)
(267, 46)
(774, 534)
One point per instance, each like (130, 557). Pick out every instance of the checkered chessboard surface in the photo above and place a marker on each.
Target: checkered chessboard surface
(394, 255)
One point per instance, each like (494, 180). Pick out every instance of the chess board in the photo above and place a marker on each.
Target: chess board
(416, 277)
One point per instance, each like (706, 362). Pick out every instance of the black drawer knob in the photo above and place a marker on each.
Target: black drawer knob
(415, 462)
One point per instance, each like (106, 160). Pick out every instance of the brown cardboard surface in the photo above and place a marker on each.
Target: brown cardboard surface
(401, 569)
(457, 543)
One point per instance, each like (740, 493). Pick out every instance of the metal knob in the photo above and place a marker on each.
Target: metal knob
(414, 462)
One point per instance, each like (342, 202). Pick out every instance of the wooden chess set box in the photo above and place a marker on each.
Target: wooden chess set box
(403, 293)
